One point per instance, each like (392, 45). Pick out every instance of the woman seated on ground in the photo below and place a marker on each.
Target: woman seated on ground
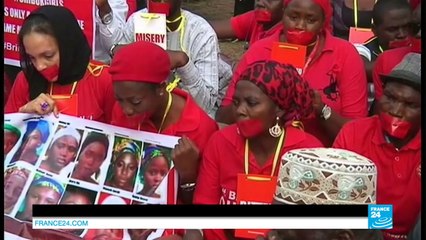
(144, 102)
(267, 127)
(333, 68)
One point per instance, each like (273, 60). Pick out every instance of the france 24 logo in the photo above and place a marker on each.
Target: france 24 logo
(380, 216)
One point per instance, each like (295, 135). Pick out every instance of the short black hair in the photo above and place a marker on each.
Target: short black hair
(95, 137)
(382, 7)
(72, 190)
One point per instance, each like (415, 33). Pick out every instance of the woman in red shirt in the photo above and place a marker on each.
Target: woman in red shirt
(57, 72)
(145, 102)
(269, 100)
(333, 68)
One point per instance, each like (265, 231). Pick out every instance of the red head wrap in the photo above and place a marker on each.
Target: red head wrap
(283, 84)
(140, 62)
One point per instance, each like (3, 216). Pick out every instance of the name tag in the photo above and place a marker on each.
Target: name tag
(254, 189)
(360, 35)
(151, 27)
(289, 54)
(67, 104)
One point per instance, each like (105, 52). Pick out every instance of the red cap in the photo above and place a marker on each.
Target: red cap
(140, 62)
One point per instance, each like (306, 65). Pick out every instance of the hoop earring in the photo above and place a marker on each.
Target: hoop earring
(276, 130)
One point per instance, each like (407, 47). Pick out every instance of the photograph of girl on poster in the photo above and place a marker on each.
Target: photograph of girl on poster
(124, 165)
(155, 166)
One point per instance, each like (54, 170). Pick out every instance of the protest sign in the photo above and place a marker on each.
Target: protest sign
(15, 11)
(151, 27)
(69, 160)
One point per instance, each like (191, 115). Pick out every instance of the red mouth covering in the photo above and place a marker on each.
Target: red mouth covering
(326, 8)
(284, 86)
(140, 62)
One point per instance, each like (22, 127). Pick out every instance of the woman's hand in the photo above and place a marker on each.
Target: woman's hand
(42, 105)
(318, 103)
(186, 158)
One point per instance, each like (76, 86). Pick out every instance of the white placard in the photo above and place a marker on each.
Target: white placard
(151, 27)
(79, 161)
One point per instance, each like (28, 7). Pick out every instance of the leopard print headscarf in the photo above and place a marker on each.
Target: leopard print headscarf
(286, 88)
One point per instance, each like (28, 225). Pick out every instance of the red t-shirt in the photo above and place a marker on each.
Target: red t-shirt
(338, 74)
(7, 84)
(132, 4)
(246, 28)
(193, 123)
(415, 3)
(398, 171)
(223, 160)
(94, 90)
(385, 62)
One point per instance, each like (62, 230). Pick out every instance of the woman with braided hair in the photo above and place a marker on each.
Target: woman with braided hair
(269, 100)
(123, 169)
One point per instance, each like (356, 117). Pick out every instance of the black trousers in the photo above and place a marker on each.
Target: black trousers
(243, 6)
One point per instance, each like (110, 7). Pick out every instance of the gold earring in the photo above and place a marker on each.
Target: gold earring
(276, 130)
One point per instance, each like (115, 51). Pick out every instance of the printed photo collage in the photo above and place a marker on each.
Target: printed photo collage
(69, 160)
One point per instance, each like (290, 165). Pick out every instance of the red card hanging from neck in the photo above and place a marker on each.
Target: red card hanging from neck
(289, 54)
(67, 104)
(254, 189)
(360, 35)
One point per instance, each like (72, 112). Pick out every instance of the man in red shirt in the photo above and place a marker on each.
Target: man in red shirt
(390, 58)
(263, 21)
(395, 144)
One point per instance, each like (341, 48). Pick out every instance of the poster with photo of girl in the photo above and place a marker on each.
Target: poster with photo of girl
(155, 166)
(112, 199)
(11, 136)
(15, 180)
(125, 162)
(75, 195)
(111, 165)
(43, 190)
(92, 160)
(62, 151)
(32, 145)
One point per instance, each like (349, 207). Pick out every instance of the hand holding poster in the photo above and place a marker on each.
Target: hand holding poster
(16, 11)
(69, 160)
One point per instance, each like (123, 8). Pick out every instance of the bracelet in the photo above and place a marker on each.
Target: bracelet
(111, 50)
(188, 186)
